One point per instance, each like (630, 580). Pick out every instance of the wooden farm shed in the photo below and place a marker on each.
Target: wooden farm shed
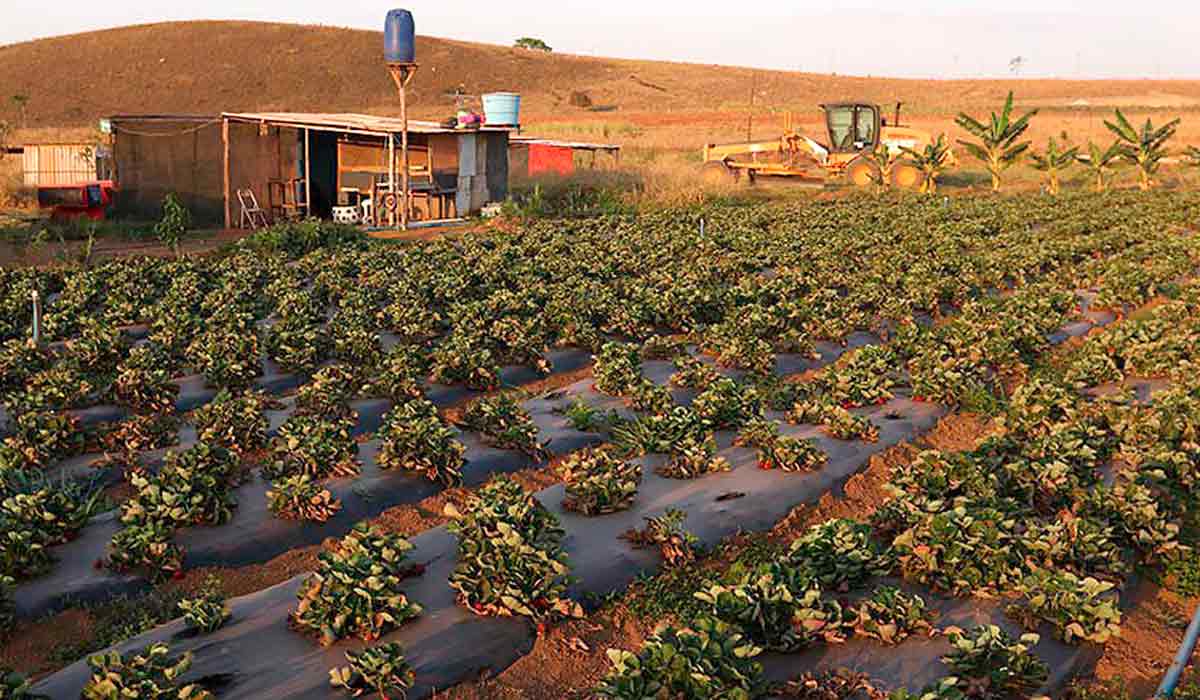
(299, 164)
(48, 164)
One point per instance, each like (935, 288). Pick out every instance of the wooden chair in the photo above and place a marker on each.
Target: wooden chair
(251, 212)
(285, 198)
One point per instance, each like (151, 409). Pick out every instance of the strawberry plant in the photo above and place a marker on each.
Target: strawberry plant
(510, 556)
(19, 360)
(299, 497)
(329, 392)
(725, 404)
(989, 664)
(962, 550)
(776, 451)
(844, 425)
(356, 589)
(651, 398)
(8, 612)
(381, 668)
(693, 373)
(862, 378)
(138, 433)
(706, 660)
(235, 421)
(35, 515)
(207, 612)
(618, 368)
(660, 432)
(779, 608)
(664, 347)
(229, 358)
(146, 391)
(839, 554)
(693, 456)
(97, 349)
(149, 674)
(413, 436)
(599, 482)
(891, 616)
(297, 347)
(505, 424)
(14, 686)
(192, 488)
(666, 531)
(458, 359)
(400, 375)
(148, 546)
(59, 387)
(321, 448)
(1079, 609)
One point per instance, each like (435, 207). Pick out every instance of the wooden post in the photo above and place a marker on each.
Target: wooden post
(307, 177)
(402, 74)
(225, 169)
(391, 171)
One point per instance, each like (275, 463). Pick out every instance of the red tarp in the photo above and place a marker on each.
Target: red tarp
(551, 159)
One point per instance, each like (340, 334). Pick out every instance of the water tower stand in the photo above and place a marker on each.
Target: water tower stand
(402, 74)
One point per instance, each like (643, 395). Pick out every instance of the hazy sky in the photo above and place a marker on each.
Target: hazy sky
(946, 38)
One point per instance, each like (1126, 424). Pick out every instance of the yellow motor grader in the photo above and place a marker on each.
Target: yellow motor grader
(854, 129)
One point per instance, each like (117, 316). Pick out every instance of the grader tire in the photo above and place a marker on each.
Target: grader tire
(907, 177)
(861, 173)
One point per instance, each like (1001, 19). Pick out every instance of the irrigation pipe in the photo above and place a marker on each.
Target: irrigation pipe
(1166, 689)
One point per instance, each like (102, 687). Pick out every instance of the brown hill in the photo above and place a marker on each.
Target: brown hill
(205, 67)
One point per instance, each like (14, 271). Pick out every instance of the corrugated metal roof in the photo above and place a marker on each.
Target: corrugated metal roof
(577, 145)
(348, 122)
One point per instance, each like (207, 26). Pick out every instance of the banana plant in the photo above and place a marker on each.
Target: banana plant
(885, 160)
(999, 146)
(1053, 162)
(1100, 163)
(1144, 148)
(931, 161)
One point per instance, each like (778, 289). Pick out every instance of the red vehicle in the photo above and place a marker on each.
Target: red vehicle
(84, 199)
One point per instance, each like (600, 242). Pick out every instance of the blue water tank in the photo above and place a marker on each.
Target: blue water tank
(399, 37)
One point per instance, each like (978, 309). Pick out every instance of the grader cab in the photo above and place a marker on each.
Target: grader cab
(852, 130)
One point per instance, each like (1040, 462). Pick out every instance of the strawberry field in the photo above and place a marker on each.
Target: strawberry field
(709, 371)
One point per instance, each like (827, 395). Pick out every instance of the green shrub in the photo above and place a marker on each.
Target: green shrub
(356, 589)
(381, 668)
(510, 556)
(413, 436)
(150, 674)
(298, 497)
(707, 660)
(321, 448)
(598, 482)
